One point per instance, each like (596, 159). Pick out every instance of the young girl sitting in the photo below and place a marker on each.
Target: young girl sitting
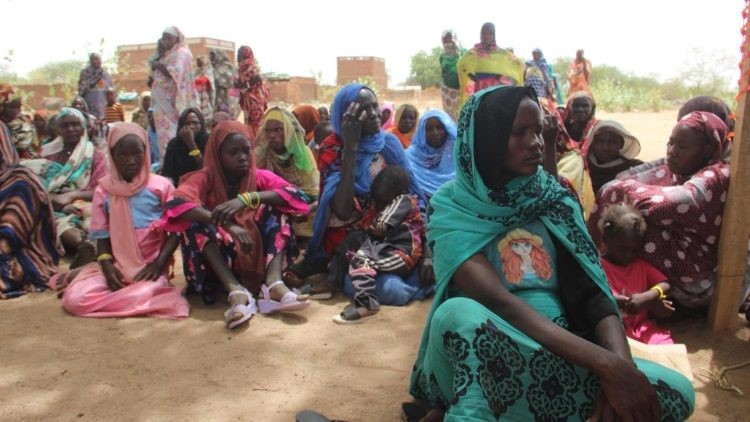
(130, 277)
(638, 287)
(390, 243)
(236, 227)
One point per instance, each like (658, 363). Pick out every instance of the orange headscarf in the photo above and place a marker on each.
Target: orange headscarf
(125, 247)
(208, 187)
(308, 117)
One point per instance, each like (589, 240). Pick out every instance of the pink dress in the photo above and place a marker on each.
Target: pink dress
(88, 295)
(637, 277)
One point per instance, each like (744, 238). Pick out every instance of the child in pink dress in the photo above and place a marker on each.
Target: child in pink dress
(638, 287)
(134, 252)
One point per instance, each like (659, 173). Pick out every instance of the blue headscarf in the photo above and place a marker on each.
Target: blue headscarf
(384, 143)
(432, 167)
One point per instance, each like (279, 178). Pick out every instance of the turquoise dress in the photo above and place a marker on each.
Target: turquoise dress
(481, 368)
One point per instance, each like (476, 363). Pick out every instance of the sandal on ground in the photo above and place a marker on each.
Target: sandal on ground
(288, 302)
(248, 310)
(350, 316)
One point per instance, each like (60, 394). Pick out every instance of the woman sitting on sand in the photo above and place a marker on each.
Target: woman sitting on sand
(29, 249)
(523, 325)
(131, 277)
(431, 151)
(70, 168)
(682, 198)
(349, 160)
(235, 225)
(281, 149)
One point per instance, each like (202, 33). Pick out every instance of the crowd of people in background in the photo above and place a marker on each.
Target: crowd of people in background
(532, 223)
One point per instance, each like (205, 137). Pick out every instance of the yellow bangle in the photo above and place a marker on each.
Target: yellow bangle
(662, 296)
(104, 257)
(195, 153)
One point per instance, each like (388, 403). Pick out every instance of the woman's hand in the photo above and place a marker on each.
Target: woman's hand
(426, 273)
(550, 130)
(352, 125)
(638, 302)
(150, 272)
(188, 138)
(60, 201)
(115, 279)
(223, 214)
(626, 393)
(241, 236)
(661, 308)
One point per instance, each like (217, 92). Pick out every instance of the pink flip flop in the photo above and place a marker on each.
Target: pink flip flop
(288, 302)
(247, 310)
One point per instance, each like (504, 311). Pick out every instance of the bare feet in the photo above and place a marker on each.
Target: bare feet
(278, 291)
(85, 255)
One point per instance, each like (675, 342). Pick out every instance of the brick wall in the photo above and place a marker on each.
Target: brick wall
(350, 69)
(293, 90)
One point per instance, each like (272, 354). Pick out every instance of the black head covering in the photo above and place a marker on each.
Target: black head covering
(493, 123)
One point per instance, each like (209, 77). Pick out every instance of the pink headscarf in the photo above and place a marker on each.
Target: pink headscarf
(125, 249)
(391, 119)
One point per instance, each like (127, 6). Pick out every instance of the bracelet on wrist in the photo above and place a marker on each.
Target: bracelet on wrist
(243, 197)
(195, 153)
(254, 201)
(104, 257)
(662, 295)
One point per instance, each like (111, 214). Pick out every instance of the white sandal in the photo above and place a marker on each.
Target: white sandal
(248, 310)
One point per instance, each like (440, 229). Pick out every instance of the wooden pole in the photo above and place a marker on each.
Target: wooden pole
(735, 228)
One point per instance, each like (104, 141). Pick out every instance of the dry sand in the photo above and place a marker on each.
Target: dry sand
(57, 367)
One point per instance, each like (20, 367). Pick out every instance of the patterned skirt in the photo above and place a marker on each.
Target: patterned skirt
(451, 99)
(481, 368)
(278, 238)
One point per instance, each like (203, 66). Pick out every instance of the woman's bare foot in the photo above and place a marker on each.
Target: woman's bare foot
(278, 291)
(86, 254)
(237, 299)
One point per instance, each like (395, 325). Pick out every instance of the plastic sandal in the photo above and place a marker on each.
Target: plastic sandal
(288, 302)
(247, 310)
(351, 316)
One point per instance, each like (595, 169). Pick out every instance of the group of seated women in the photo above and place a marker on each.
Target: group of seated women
(523, 296)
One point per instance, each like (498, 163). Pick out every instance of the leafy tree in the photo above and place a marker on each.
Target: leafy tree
(66, 71)
(425, 68)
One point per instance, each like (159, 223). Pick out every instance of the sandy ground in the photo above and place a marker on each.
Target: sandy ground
(57, 367)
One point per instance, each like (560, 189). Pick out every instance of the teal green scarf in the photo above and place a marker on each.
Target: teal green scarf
(465, 215)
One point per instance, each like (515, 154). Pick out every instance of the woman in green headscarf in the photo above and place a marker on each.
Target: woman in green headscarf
(523, 324)
(281, 149)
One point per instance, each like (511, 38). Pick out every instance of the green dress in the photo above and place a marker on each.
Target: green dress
(482, 368)
(471, 361)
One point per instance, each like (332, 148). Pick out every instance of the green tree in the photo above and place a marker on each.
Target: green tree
(425, 68)
(63, 72)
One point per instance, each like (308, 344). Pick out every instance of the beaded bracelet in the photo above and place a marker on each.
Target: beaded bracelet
(104, 257)
(662, 295)
(195, 153)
